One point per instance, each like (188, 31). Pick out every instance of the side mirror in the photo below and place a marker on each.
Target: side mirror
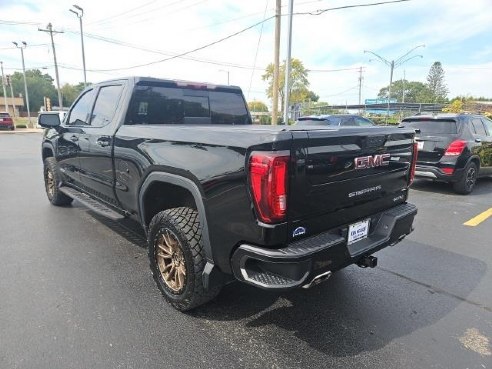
(46, 120)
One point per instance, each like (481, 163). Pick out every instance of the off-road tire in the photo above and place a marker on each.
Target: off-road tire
(52, 181)
(185, 226)
(467, 182)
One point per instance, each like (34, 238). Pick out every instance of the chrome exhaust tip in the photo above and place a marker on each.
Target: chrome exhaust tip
(318, 279)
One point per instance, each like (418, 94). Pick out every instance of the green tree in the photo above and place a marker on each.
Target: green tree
(313, 96)
(456, 106)
(415, 92)
(299, 82)
(436, 83)
(71, 92)
(38, 86)
(257, 106)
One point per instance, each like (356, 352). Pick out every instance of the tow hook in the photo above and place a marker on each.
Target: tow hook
(318, 279)
(368, 262)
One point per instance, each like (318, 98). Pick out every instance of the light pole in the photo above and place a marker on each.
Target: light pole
(395, 64)
(22, 47)
(80, 14)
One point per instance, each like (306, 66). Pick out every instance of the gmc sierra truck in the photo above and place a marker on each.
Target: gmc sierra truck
(220, 199)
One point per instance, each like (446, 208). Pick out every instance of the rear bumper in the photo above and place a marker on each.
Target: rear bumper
(6, 125)
(299, 263)
(425, 171)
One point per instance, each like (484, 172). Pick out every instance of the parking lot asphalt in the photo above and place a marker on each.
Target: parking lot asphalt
(76, 292)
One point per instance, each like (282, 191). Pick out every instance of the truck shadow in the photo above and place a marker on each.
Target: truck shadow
(356, 310)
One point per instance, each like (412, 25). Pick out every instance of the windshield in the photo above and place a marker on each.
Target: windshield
(4, 115)
(431, 126)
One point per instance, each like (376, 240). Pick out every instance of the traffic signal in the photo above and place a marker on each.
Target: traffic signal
(7, 78)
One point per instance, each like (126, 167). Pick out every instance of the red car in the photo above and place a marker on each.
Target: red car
(6, 121)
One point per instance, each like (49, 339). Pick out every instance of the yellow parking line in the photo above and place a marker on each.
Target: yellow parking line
(479, 218)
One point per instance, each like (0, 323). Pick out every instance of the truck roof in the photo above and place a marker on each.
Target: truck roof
(175, 82)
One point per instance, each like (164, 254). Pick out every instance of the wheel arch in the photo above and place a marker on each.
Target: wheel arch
(475, 159)
(47, 151)
(184, 192)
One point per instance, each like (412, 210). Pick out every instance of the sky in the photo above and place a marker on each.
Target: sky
(120, 36)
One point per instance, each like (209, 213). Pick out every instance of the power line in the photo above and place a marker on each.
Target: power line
(186, 52)
(321, 11)
(257, 48)
(132, 16)
(16, 23)
(331, 70)
(162, 52)
(102, 20)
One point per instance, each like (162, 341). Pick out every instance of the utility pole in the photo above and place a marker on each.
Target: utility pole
(360, 88)
(276, 62)
(22, 47)
(80, 14)
(4, 91)
(49, 29)
(287, 63)
(394, 64)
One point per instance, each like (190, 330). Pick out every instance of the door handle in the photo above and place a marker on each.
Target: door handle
(74, 138)
(104, 141)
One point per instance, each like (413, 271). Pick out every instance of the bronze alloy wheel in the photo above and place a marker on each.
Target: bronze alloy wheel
(170, 260)
(50, 183)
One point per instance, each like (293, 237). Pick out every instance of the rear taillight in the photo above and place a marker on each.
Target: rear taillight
(268, 172)
(455, 148)
(414, 162)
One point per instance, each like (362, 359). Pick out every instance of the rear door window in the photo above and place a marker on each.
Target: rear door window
(432, 127)
(478, 127)
(488, 124)
(106, 104)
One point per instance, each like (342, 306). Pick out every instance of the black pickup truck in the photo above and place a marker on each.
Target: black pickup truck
(220, 199)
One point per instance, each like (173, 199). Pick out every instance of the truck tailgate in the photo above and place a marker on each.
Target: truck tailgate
(343, 175)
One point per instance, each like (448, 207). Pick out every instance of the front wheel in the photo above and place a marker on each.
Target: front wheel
(467, 182)
(52, 181)
(177, 258)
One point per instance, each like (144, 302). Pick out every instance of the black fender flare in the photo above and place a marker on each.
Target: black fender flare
(46, 145)
(187, 184)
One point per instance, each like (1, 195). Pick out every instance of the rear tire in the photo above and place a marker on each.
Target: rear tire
(467, 182)
(177, 258)
(52, 182)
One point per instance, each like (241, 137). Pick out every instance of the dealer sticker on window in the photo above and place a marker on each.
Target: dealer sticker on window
(358, 231)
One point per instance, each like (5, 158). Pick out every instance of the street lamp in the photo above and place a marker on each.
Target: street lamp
(80, 13)
(22, 47)
(395, 64)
